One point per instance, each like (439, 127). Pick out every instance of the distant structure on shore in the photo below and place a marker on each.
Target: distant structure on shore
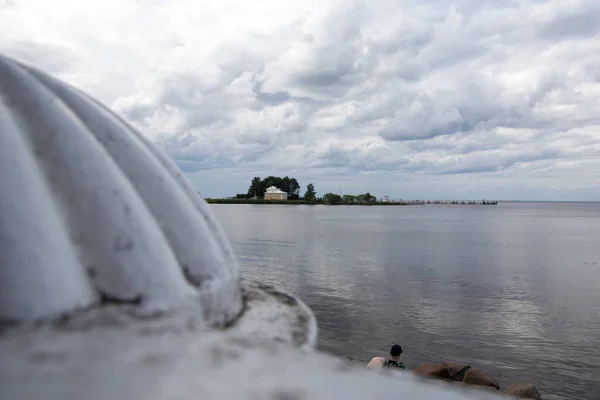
(483, 202)
(274, 193)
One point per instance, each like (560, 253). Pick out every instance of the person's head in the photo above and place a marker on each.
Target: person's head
(396, 351)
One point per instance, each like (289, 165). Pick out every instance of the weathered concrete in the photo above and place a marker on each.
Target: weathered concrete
(116, 281)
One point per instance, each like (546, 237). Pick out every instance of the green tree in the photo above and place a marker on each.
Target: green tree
(266, 183)
(254, 189)
(332, 198)
(285, 185)
(366, 198)
(349, 199)
(294, 189)
(310, 195)
(291, 187)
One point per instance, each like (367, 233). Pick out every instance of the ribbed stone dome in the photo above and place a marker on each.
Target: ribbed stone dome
(92, 213)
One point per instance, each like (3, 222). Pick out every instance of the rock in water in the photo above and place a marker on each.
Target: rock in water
(475, 387)
(432, 371)
(523, 391)
(448, 371)
(475, 376)
(456, 371)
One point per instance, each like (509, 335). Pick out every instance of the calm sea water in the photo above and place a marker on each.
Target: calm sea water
(513, 289)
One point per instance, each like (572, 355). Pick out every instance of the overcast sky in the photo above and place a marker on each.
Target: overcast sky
(431, 99)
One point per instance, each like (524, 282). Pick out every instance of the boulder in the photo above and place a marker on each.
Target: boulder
(456, 371)
(475, 376)
(432, 371)
(475, 387)
(448, 371)
(484, 388)
(523, 391)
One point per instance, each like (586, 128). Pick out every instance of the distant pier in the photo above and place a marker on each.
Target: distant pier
(454, 202)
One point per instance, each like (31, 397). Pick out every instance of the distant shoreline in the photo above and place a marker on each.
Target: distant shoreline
(296, 202)
(378, 203)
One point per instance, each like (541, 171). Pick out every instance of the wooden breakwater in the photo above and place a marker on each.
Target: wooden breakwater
(453, 202)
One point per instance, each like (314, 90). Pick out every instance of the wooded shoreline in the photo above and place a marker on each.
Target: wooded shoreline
(297, 202)
(376, 203)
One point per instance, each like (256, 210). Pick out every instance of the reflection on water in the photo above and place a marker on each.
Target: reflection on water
(514, 289)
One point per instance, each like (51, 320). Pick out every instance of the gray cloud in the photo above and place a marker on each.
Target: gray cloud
(49, 57)
(582, 22)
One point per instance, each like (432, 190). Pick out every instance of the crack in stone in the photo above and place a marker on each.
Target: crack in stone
(106, 298)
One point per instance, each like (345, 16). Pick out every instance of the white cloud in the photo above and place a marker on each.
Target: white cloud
(462, 99)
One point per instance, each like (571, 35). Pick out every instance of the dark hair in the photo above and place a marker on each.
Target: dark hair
(396, 350)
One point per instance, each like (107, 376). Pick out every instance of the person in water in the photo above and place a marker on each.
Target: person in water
(392, 362)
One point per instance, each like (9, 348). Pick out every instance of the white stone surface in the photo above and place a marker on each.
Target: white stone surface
(171, 358)
(116, 281)
(98, 198)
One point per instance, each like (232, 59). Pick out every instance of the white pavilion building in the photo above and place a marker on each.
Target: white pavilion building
(274, 193)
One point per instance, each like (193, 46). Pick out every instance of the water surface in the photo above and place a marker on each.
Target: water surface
(513, 289)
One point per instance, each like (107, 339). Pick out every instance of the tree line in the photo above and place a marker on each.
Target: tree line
(349, 199)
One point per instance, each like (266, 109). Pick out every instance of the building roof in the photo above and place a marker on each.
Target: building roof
(274, 189)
